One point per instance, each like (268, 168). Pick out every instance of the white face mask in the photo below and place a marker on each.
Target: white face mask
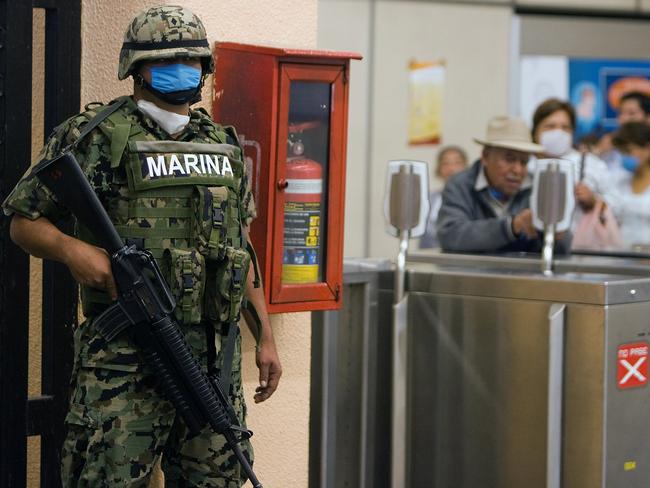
(556, 142)
(171, 122)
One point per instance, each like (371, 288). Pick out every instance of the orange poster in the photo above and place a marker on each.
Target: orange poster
(426, 83)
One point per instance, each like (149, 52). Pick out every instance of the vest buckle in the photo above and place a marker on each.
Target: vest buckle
(217, 217)
(237, 273)
(188, 282)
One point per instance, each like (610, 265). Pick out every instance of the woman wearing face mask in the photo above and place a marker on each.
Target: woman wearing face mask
(594, 225)
(553, 126)
(631, 185)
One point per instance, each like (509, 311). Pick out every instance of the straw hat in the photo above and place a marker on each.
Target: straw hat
(509, 133)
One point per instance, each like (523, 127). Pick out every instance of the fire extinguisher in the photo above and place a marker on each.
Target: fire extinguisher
(302, 219)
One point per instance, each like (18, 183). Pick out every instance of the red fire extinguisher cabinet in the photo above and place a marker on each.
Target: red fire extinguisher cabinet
(290, 109)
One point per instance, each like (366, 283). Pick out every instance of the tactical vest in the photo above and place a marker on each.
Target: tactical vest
(182, 201)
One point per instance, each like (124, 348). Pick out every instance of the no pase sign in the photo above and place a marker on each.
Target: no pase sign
(632, 365)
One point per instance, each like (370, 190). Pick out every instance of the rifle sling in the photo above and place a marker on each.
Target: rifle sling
(211, 349)
(225, 375)
(95, 121)
(254, 321)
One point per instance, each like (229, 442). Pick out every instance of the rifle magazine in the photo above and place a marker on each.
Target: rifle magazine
(113, 321)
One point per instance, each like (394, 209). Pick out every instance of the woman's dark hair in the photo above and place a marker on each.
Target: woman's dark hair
(550, 106)
(641, 98)
(635, 133)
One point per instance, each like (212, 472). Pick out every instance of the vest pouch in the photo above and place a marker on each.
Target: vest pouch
(210, 221)
(225, 295)
(185, 274)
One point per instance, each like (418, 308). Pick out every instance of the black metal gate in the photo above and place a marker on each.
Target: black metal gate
(42, 416)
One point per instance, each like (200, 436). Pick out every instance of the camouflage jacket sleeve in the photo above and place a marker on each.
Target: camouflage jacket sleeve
(249, 210)
(30, 198)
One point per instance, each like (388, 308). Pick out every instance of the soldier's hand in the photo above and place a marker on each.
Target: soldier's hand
(268, 363)
(88, 264)
(91, 266)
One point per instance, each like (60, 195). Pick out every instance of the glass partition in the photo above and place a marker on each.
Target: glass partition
(306, 170)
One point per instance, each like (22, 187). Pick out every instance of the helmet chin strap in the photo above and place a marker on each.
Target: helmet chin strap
(191, 96)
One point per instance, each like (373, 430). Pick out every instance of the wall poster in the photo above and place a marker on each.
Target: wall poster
(426, 84)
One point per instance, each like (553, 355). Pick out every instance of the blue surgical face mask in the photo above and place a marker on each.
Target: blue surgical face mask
(630, 163)
(176, 84)
(171, 78)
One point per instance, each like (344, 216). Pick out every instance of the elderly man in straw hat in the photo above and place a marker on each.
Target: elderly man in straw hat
(486, 207)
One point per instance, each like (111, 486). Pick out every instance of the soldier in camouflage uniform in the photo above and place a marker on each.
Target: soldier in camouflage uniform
(173, 183)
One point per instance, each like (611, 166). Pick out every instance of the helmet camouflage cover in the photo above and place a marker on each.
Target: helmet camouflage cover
(161, 33)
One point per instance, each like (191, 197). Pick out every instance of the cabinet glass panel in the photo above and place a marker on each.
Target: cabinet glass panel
(306, 170)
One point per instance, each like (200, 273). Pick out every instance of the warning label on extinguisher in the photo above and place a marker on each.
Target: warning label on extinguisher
(632, 366)
(301, 256)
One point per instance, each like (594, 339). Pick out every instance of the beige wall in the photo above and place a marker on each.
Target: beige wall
(102, 30)
(474, 41)
(281, 425)
(620, 5)
(35, 265)
(593, 4)
(631, 38)
(345, 26)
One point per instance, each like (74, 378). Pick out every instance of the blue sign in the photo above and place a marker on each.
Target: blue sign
(596, 87)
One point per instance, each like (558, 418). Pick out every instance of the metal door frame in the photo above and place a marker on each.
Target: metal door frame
(42, 415)
(344, 414)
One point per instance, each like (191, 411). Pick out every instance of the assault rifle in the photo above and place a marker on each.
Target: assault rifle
(145, 307)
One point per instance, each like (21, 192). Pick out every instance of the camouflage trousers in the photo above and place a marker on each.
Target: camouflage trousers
(119, 424)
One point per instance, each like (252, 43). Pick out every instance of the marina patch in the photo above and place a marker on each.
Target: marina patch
(173, 165)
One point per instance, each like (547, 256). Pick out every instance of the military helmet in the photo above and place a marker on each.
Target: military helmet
(161, 33)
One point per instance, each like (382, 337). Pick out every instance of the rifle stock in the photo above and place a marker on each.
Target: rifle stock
(64, 178)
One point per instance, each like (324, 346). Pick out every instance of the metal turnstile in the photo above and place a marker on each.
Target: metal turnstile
(514, 378)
